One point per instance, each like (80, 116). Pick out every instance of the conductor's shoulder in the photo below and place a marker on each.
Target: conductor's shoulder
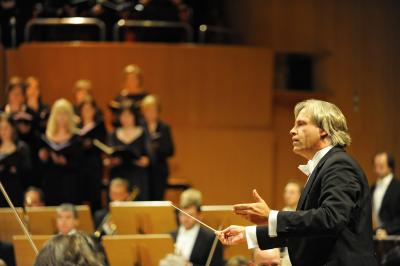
(338, 155)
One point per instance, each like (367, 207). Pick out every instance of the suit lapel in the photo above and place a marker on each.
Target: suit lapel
(314, 176)
(306, 189)
(388, 193)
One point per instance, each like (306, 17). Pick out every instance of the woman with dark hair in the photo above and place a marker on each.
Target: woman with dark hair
(40, 113)
(133, 91)
(14, 162)
(131, 159)
(24, 121)
(91, 127)
(34, 102)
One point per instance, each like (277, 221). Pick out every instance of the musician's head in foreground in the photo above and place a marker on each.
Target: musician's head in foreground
(67, 219)
(268, 257)
(66, 250)
(190, 202)
(317, 125)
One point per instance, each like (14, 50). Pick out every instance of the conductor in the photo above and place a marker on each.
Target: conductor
(332, 223)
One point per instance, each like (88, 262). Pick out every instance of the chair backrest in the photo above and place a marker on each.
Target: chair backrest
(24, 254)
(9, 226)
(145, 250)
(42, 220)
(149, 217)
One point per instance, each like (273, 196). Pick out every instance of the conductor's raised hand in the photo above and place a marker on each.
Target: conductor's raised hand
(232, 235)
(257, 212)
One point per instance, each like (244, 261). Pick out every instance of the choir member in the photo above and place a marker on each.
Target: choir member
(91, 128)
(61, 155)
(132, 91)
(131, 160)
(40, 113)
(83, 92)
(34, 102)
(14, 162)
(161, 146)
(23, 119)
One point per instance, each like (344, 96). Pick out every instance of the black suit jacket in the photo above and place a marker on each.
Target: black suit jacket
(332, 224)
(389, 213)
(202, 248)
(162, 148)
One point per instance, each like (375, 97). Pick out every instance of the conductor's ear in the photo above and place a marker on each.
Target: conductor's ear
(323, 134)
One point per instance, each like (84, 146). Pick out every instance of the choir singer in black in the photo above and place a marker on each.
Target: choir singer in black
(332, 223)
(161, 146)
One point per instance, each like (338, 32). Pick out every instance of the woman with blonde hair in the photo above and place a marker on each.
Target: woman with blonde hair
(60, 155)
(161, 146)
(132, 90)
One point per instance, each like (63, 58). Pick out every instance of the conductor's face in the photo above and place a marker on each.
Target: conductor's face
(307, 137)
(185, 220)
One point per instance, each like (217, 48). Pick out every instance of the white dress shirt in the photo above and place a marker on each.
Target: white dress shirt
(379, 192)
(185, 240)
(251, 231)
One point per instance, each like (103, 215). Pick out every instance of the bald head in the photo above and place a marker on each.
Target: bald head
(268, 257)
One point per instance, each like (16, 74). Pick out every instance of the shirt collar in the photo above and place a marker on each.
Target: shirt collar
(385, 180)
(308, 168)
(195, 228)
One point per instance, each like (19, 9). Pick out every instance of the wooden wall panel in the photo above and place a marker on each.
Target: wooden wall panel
(226, 164)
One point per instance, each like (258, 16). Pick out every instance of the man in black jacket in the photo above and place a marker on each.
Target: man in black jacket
(332, 223)
(385, 197)
(193, 242)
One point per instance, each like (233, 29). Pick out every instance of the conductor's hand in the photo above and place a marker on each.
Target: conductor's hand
(232, 235)
(257, 212)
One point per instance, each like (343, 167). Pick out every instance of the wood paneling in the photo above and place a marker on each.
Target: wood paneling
(226, 164)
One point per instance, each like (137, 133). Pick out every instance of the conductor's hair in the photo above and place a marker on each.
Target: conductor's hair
(391, 162)
(67, 207)
(191, 198)
(67, 250)
(327, 117)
